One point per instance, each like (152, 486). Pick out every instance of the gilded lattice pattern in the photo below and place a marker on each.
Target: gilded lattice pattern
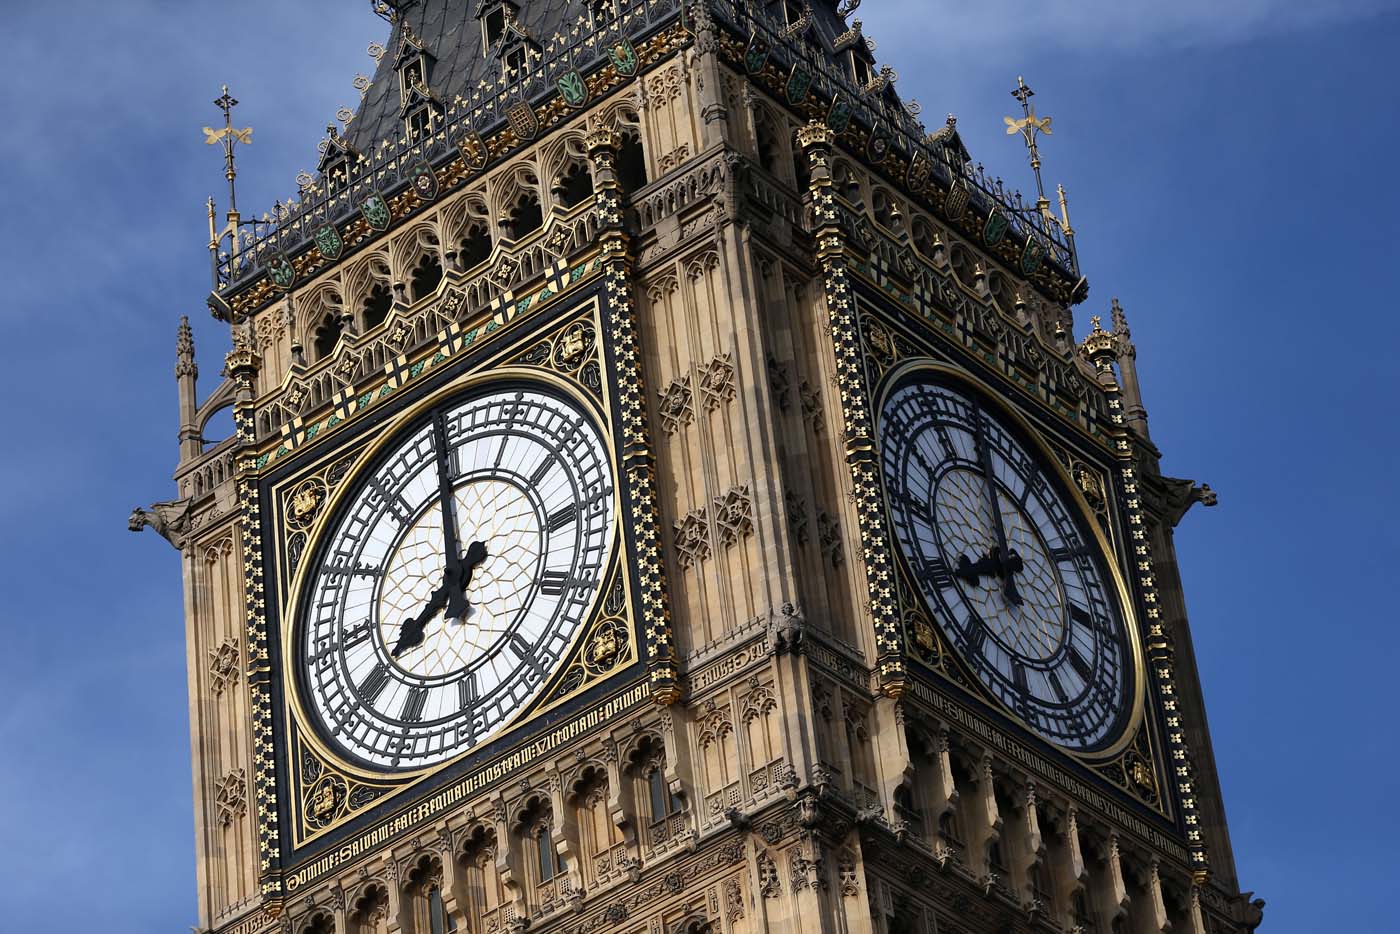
(857, 425)
(638, 461)
(242, 365)
(1158, 645)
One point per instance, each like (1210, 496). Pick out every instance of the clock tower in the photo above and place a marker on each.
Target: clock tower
(664, 496)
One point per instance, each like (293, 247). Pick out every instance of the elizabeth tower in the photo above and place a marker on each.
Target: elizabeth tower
(665, 495)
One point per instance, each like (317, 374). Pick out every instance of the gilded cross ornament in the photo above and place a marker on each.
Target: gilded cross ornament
(228, 135)
(1030, 126)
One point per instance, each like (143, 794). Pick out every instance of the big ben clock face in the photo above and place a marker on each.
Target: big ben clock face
(1007, 562)
(455, 575)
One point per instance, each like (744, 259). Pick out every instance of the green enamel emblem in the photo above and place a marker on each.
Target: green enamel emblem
(755, 54)
(623, 57)
(995, 229)
(375, 211)
(799, 82)
(839, 116)
(281, 271)
(328, 242)
(1031, 255)
(573, 88)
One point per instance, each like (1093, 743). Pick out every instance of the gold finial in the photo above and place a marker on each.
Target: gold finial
(1099, 345)
(228, 136)
(1030, 126)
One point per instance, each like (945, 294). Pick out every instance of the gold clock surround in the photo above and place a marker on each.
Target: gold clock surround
(1049, 462)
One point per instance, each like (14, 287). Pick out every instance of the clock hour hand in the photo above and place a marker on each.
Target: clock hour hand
(991, 565)
(454, 583)
(411, 632)
(459, 578)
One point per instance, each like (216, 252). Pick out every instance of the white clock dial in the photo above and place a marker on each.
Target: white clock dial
(1006, 562)
(455, 576)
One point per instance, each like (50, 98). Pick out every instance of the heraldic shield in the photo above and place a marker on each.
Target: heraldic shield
(1031, 255)
(839, 116)
(522, 119)
(423, 180)
(375, 210)
(994, 231)
(623, 57)
(799, 82)
(281, 271)
(473, 149)
(756, 54)
(572, 88)
(329, 242)
(955, 203)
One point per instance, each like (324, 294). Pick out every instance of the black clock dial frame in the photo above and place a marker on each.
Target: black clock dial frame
(1023, 589)
(386, 675)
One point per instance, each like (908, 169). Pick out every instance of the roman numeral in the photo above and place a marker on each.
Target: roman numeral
(1081, 666)
(563, 517)
(553, 583)
(1018, 676)
(541, 471)
(467, 691)
(394, 503)
(357, 634)
(413, 706)
(975, 640)
(1058, 688)
(1066, 554)
(940, 575)
(374, 683)
(1081, 615)
(526, 652)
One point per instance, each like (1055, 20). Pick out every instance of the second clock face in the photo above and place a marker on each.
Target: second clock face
(1007, 563)
(455, 576)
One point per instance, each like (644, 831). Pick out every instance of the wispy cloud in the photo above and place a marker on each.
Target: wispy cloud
(970, 30)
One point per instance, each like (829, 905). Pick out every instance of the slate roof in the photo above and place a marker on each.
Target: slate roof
(450, 32)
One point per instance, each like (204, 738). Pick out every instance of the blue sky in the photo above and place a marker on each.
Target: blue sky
(1227, 169)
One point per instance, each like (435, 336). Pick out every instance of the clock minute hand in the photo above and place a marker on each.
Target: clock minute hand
(452, 571)
(1008, 560)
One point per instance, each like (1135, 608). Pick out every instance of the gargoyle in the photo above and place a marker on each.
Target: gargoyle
(1180, 495)
(170, 520)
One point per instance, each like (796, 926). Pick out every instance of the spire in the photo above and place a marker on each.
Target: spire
(184, 351)
(186, 372)
(1120, 321)
(1127, 366)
